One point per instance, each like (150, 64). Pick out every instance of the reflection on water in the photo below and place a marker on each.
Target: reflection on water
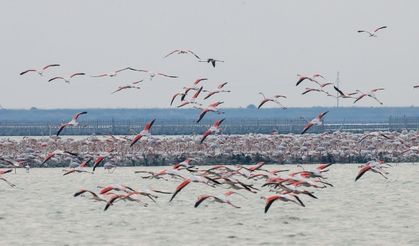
(42, 210)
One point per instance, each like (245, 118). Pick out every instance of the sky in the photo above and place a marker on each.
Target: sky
(264, 44)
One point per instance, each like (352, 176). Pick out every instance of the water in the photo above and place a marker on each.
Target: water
(372, 211)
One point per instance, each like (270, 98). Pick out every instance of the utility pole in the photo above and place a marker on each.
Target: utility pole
(337, 85)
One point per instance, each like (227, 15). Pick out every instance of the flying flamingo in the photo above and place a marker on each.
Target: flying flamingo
(78, 168)
(154, 74)
(274, 99)
(221, 199)
(192, 100)
(56, 152)
(211, 93)
(301, 78)
(120, 88)
(373, 134)
(373, 34)
(94, 197)
(40, 71)
(210, 108)
(115, 73)
(284, 198)
(316, 121)
(373, 166)
(197, 81)
(179, 51)
(122, 197)
(5, 180)
(345, 95)
(212, 130)
(67, 80)
(313, 89)
(73, 122)
(370, 93)
(192, 178)
(144, 133)
(211, 60)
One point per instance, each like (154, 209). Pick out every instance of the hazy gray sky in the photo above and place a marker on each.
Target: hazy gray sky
(265, 44)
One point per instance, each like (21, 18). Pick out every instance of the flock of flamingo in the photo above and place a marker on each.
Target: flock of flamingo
(230, 181)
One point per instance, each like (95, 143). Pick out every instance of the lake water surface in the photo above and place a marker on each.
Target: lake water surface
(372, 211)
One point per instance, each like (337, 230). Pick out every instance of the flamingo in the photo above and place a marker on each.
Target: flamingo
(56, 152)
(212, 130)
(192, 100)
(211, 93)
(73, 122)
(210, 108)
(345, 95)
(40, 71)
(274, 99)
(313, 89)
(301, 78)
(67, 80)
(94, 197)
(373, 134)
(13, 163)
(197, 81)
(373, 166)
(79, 169)
(115, 73)
(411, 148)
(373, 33)
(370, 93)
(120, 88)
(182, 94)
(144, 133)
(316, 121)
(220, 86)
(220, 199)
(284, 198)
(192, 178)
(179, 51)
(123, 197)
(5, 180)
(211, 60)
(154, 74)
(416, 86)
